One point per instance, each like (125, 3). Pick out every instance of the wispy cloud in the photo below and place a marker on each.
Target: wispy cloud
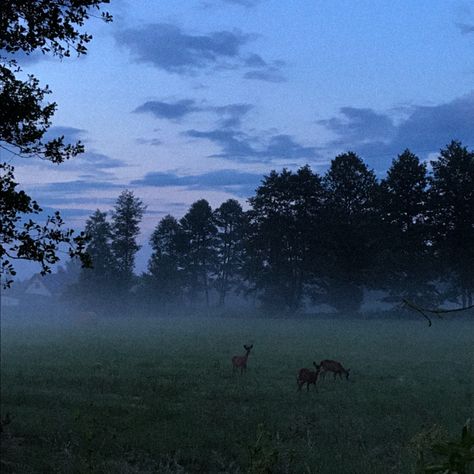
(230, 115)
(238, 145)
(169, 110)
(465, 28)
(424, 129)
(148, 141)
(168, 47)
(237, 182)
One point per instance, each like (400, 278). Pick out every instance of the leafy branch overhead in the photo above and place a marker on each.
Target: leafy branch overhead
(51, 27)
(21, 238)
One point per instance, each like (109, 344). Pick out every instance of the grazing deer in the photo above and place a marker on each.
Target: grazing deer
(307, 376)
(333, 366)
(240, 362)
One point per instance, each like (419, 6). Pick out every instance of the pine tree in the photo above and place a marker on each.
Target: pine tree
(230, 220)
(164, 278)
(405, 262)
(199, 251)
(351, 240)
(126, 217)
(452, 218)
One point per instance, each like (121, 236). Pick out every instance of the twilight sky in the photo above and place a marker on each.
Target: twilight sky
(200, 98)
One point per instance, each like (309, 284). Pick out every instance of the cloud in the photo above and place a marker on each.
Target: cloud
(25, 59)
(465, 28)
(237, 145)
(168, 47)
(91, 160)
(359, 125)
(424, 129)
(78, 186)
(169, 110)
(230, 116)
(149, 141)
(269, 74)
(70, 134)
(264, 71)
(236, 182)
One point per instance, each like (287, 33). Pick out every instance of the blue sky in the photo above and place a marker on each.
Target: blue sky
(200, 98)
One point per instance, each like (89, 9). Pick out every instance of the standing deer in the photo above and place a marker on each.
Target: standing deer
(240, 362)
(307, 376)
(333, 366)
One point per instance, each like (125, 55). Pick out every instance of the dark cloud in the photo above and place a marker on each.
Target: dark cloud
(262, 70)
(269, 74)
(93, 160)
(230, 116)
(68, 214)
(285, 147)
(25, 59)
(77, 186)
(465, 28)
(168, 47)
(149, 141)
(424, 130)
(234, 144)
(70, 134)
(356, 125)
(236, 182)
(169, 110)
(89, 162)
(237, 145)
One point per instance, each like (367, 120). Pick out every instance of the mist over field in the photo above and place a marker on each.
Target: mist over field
(236, 237)
(128, 394)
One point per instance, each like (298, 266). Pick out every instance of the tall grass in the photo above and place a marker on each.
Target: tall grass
(159, 395)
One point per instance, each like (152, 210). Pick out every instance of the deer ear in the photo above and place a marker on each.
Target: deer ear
(251, 346)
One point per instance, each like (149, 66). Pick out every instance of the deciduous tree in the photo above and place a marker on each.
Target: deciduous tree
(50, 27)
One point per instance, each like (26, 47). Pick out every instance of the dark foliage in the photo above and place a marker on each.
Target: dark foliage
(49, 27)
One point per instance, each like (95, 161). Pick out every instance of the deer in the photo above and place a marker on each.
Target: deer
(307, 376)
(240, 362)
(333, 366)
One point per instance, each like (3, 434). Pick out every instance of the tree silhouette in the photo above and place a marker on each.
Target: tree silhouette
(351, 238)
(199, 256)
(49, 27)
(405, 259)
(126, 216)
(230, 221)
(452, 218)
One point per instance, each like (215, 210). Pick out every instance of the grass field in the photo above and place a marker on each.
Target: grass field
(132, 396)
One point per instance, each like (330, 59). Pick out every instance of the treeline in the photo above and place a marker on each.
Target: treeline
(305, 239)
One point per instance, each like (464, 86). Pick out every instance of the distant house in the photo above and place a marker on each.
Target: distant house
(38, 291)
(36, 286)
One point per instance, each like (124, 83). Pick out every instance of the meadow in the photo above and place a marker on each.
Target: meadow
(159, 395)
